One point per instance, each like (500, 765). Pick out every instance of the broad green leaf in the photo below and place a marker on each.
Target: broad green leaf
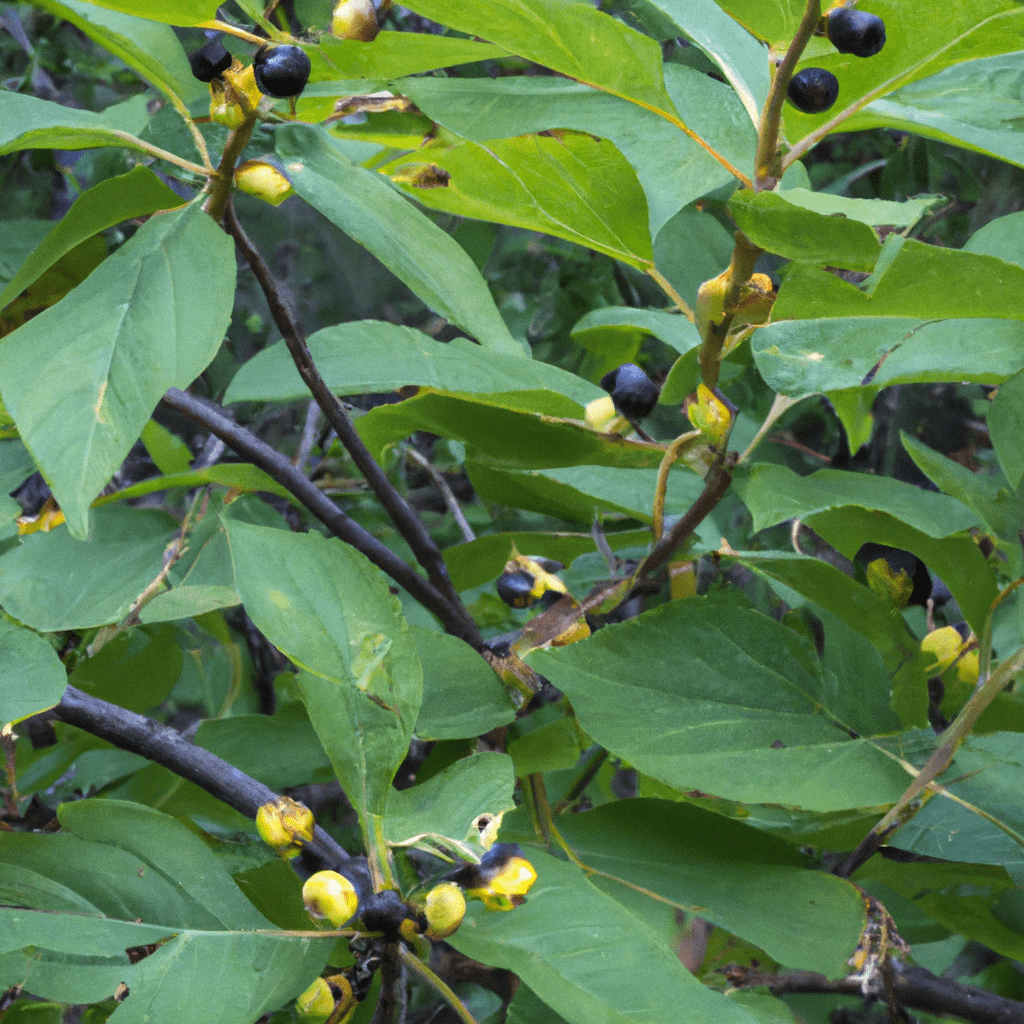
(408, 243)
(875, 212)
(551, 747)
(394, 54)
(672, 169)
(52, 581)
(462, 696)
(1000, 237)
(742, 58)
(973, 104)
(449, 802)
(779, 226)
(371, 355)
(578, 493)
(997, 508)
(774, 493)
(613, 328)
(171, 12)
(725, 701)
(31, 123)
(692, 247)
(571, 38)
(728, 873)
(169, 453)
(330, 611)
(852, 603)
(150, 48)
(774, 21)
(515, 436)
(526, 1008)
(572, 186)
(32, 677)
(914, 281)
(1006, 425)
(135, 194)
(587, 957)
(83, 377)
(804, 357)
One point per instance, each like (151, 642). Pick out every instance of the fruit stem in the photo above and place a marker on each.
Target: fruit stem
(666, 286)
(767, 162)
(240, 33)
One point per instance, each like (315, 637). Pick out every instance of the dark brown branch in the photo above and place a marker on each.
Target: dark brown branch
(163, 745)
(402, 515)
(912, 987)
(274, 464)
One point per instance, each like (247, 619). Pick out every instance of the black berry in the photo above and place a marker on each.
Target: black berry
(516, 589)
(813, 90)
(210, 61)
(856, 32)
(281, 71)
(634, 393)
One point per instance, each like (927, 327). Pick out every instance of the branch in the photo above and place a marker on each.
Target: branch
(405, 519)
(274, 464)
(165, 746)
(913, 987)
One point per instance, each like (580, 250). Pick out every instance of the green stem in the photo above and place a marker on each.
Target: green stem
(415, 963)
(161, 154)
(221, 184)
(767, 162)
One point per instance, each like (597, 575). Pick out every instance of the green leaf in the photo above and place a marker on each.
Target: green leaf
(507, 429)
(774, 493)
(370, 356)
(620, 327)
(725, 701)
(135, 194)
(171, 12)
(1006, 425)
(409, 244)
(779, 226)
(462, 696)
(742, 58)
(804, 357)
(32, 677)
(572, 186)
(82, 378)
(450, 802)
(876, 212)
(672, 169)
(395, 54)
(330, 611)
(1000, 237)
(587, 957)
(728, 873)
(551, 747)
(52, 581)
(149, 48)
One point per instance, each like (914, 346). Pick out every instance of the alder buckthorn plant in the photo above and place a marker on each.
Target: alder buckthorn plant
(511, 511)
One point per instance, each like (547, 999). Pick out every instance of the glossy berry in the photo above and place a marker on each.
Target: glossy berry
(211, 61)
(516, 589)
(813, 90)
(856, 32)
(634, 393)
(281, 71)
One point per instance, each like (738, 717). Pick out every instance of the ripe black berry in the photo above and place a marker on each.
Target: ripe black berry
(813, 90)
(210, 61)
(634, 393)
(856, 32)
(515, 589)
(281, 70)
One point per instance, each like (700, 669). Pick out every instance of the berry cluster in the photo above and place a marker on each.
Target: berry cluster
(815, 90)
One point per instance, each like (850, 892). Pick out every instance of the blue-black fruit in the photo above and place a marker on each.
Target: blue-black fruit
(281, 71)
(516, 589)
(634, 393)
(210, 61)
(856, 32)
(813, 90)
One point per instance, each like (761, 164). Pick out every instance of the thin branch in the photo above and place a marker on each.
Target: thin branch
(402, 515)
(165, 746)
(274, 464)
(446, 492)
(913, 987)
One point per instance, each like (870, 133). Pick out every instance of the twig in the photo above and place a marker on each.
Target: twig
(417, 965)
(274, 464)
(913, 987)
(446, 492)
(401, 513)
(165, 746)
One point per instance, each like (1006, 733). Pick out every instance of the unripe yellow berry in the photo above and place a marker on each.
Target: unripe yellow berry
(263, 180)
(355, 19)
(331, 897)
(285, 825)
(234, 96)
(445, 909)
(316, 1001)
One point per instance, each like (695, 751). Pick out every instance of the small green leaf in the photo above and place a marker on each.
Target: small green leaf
(32, 677)
(171, 12)
(1006, 424)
